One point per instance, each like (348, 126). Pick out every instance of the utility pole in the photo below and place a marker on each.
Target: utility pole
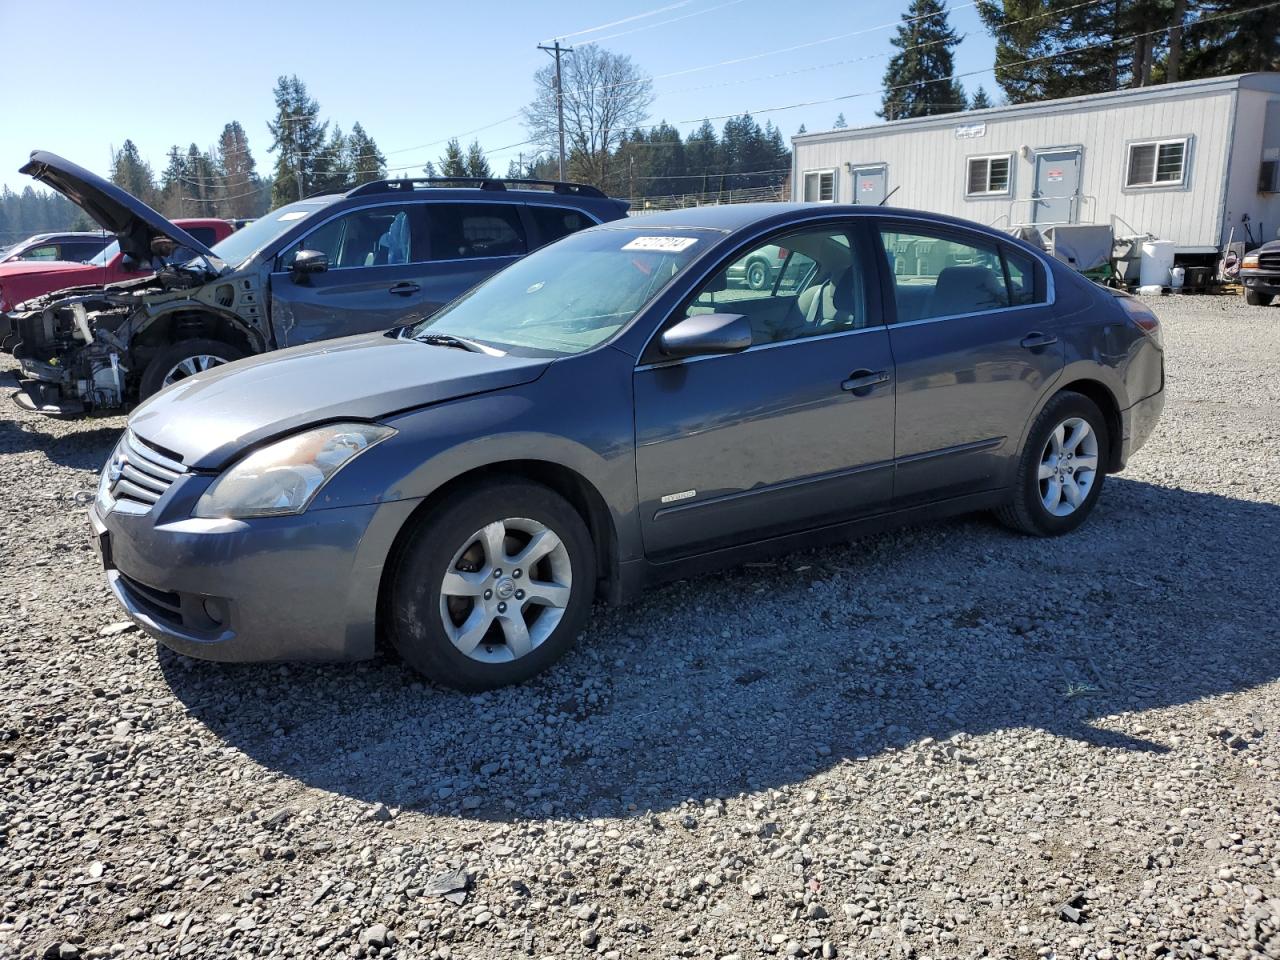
(556, 51)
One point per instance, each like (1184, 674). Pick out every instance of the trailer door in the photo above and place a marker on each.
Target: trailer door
(1055, 196)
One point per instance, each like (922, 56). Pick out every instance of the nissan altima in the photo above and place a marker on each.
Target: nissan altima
(612, 411)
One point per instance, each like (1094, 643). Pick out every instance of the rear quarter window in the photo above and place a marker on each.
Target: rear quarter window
(466, 231)
(552, 223)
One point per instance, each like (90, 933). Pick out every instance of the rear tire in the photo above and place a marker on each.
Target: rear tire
(185, 358)
(757, 275)
(494, 585)
(1061, 469)
(1255, 299)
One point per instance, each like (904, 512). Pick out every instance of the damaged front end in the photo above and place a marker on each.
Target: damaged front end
(84, 350)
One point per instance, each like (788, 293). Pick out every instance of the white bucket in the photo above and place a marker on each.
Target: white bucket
(1157, 261)
(1176, 276)
(1154, 290)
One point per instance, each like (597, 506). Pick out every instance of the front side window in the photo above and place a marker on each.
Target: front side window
(571, 295)
(556, 222)
(379, 236)
(467, 231)
(820, 186)
(48, 251)
(819, 287)
(1159, 163)
(935, 275)
(988, 176)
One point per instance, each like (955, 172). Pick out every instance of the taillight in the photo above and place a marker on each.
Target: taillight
(4, 304)
(1143, 318)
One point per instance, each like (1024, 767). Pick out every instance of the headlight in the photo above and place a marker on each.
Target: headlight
(285, 477)
(1250, 261)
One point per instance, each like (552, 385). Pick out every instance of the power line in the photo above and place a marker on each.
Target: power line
(618, 23)
(663, 23)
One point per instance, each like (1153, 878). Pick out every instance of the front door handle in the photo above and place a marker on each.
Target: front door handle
(1035, 340)
(860, 382)
(404, 288)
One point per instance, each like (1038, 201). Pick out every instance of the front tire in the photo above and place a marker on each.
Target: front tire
(493, 587)
(757, 275)
(1255, 299)
(1061, 469)
(184, 359)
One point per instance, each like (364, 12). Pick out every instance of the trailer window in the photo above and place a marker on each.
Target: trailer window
(988, 176)
(820, 186)
(1157, 163)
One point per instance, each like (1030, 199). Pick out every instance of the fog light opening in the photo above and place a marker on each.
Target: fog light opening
(215, 610)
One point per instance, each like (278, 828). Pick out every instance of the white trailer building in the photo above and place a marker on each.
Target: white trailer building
(1186, 162)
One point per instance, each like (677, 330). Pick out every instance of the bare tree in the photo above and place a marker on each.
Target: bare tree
(605, 95)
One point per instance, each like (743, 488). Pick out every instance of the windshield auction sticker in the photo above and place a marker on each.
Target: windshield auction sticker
(661, 244)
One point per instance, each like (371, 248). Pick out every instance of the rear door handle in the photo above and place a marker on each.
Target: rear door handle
(1036, 339)
(404, 288)
(860, 382)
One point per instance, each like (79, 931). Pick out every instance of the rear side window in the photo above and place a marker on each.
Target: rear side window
(466, 231)
(80, 251)
(203, 234)
(937, 275)
(553, 223)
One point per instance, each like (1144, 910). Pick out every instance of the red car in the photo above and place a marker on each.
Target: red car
(23, 279)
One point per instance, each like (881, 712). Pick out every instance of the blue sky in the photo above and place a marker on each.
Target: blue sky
(82, 79)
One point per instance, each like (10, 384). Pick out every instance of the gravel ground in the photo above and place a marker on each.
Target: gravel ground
(943, 742)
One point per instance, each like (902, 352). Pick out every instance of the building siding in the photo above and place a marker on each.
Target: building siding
(927, 163)
(1257, 128)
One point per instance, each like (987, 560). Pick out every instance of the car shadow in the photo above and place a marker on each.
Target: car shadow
(770, 673)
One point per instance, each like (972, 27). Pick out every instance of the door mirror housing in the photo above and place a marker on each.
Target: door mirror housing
(309, 261)
(704, 334)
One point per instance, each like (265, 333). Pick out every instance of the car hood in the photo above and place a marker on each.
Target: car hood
(23, 268)
(134, 223)
(211, 418)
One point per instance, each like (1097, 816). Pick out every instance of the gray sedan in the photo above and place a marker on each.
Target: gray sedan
(608, 412)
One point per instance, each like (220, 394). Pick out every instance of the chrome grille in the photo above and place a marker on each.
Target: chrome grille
(139, 473)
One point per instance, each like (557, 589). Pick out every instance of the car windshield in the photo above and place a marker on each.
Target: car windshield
(249, 239)
(106, 254)
(571, 295)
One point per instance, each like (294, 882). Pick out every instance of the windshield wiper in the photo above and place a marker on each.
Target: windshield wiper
(461, 343)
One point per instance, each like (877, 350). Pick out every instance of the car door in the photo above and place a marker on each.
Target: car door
(376, 257)
(793, 432)
(469, 242)
(975, 347)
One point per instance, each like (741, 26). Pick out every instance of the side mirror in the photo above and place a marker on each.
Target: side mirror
(309, 261)
(706, 333)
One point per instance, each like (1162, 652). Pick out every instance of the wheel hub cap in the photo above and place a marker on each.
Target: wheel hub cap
(505, 590)
(1068, 466)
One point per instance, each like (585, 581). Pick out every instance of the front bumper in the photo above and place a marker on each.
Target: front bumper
(277, 588)
(1267, 284)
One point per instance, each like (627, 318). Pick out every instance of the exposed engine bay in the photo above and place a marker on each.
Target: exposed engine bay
(86, 349)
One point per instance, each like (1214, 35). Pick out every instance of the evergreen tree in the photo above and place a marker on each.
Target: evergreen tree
(1243, 43)
(980, 100)
(453, 163)
(202, 189)
(702, 157)
(171, 185)
(920, 81)
(299, 141)
(333, 171)
(477, 165)
(129, 172)
(663, 162)
(238, 168)
(802, 131)
(365, 160)
(430, 170)
(841, 123)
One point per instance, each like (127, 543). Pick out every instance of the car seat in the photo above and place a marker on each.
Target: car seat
(968, 289)
(393, 246)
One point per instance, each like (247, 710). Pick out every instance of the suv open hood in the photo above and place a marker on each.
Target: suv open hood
(132, 221)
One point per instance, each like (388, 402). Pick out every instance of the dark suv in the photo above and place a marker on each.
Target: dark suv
(385, 254)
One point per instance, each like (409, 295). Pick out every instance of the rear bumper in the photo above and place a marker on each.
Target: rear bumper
(1138, 423)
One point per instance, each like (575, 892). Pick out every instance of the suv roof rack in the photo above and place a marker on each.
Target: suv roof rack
(498, 184)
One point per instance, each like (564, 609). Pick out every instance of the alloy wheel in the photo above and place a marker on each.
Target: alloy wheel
(505, 590)
(190, 366)
(1068, 466)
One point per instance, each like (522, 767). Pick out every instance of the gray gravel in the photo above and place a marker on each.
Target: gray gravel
(942, 742)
